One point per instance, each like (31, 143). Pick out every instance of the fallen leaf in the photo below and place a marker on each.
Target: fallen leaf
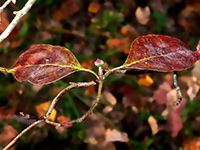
(193, 87)
(62, 119)
(67, 9)
(147, 81)
(129, 30)
(143, 15)
(90, 90)
(153, 124)
(107, 109)
(42, 110)
(8, 134)
(112, 43)
(115, 136)
(16, 43)
(191, 144)
(174, 123)
(160, 95)
(94, 7)
(109, 97)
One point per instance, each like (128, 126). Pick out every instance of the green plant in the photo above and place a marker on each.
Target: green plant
(43, 64)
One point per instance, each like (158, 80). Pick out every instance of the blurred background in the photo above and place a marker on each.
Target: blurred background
(135, 110)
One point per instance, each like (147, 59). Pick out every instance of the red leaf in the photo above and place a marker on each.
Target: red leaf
(44, 64)
(160, 53)
(174, 123)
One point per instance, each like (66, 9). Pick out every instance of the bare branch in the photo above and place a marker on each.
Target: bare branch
(17, 18)
(22, 133)
(78, 120)
(95, 104)
(73, 85)
(6, 4)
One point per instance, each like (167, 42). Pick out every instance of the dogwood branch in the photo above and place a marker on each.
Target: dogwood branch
(24, 131)
(19, 14)
(5, 4)
(73, 85)
(45, 118)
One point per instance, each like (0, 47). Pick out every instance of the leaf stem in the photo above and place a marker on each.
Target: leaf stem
(95, 104)
(111, 71)
(92, 72)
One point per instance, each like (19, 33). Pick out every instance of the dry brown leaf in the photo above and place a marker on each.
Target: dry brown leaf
(114, 136)
(42, 109)
(67, 9)
(153, 124)
(142, 15)
(107, 109)
(193, 87)
(129, 30)
(16, 43)
(110, 98)
(4, 22)
(8, 134)
(94, 7)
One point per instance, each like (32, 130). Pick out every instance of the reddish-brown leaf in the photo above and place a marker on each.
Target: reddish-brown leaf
(160, 53)
(44, 64)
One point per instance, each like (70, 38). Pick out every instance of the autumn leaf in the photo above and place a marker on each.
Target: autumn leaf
(160, 53)
(114, 135)
(8, 133)
(153, 124)
(44, 64)
(109, 97)
(147, 81)
(160, 95)
(143, 15)
(43, 108)
(67, 9)
(93, 7)
(16, 43)
(62, 119)
(191, 144)
(166, 95)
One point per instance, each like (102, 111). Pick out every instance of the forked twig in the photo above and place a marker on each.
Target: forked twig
(6, 4)
(19, 14)
(45, 118)
(73, 85)
(178, 89)
(80, 119)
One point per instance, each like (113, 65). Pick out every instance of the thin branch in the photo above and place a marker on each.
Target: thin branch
(80, 119)
(6, 4)
(22, 133)
(19, 15)
(178, 90)
(73, 85)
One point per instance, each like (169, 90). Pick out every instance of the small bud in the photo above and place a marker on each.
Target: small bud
(198, 48)
(99, 62)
